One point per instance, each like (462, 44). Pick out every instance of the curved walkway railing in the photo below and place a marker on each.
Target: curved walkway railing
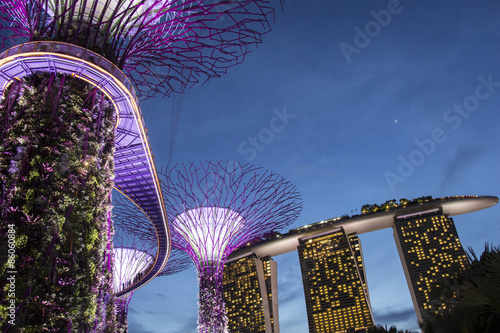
(135, 172)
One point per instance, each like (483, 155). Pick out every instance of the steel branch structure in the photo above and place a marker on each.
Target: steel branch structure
(106, 50)
(128, 236)
(130, 263)
(163, 45)
(133, 258)
(132, 224)
(215, 208)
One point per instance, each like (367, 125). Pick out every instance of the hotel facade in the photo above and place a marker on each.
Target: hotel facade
(251, 295)
(333, 272)
(335, 286)
(428, 247)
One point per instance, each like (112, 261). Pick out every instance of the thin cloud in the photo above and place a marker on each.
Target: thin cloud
(394, 315)
(461, 162)
(160, 295)
(290, 285)
(189, 326)
(403, 318)
(136, 327)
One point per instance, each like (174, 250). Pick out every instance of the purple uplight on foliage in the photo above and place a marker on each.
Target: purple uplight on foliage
(214, 208)
(71, 129)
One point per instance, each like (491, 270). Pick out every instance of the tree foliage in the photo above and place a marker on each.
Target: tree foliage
(472, 297)
(384, 329)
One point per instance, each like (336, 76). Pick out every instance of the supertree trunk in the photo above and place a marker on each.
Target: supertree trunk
(121, 304)
(56, 177)
(212, 317)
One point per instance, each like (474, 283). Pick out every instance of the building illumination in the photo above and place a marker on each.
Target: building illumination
(334, 283)
(428, 246)
(251, 295)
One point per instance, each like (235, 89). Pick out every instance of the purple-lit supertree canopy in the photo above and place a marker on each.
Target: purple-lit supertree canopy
(214, 208)
(129, 264)
(133, 258)
(71, 128)
(163, 45)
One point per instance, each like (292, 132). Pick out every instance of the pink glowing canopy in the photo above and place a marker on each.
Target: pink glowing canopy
(129, 263)
(165, 46)
(209, 230)
(216, 207)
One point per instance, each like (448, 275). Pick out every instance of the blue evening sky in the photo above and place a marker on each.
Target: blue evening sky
(410, 109)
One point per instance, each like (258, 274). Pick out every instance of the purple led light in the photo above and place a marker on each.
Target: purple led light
(215, 208)
(133, 258)
(129, 263)
(154, 46)
(208, 230)
(133, 230)
(164, 45)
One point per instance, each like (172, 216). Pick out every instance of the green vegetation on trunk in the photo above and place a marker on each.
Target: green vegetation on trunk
(56, 176)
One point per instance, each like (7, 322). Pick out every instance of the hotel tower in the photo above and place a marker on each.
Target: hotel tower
(251, 295)
(428, 246)
(335, 283)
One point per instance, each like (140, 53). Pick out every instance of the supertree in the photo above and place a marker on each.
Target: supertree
(130, 265)
(215, 208)
(133, 258)
(70, 124)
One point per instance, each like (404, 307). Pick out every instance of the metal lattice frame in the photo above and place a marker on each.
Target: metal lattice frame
(255, 202)
(215, 208)
(263, 200)
(130, 226)
(135, 172)
(130, 264)
(164, 45)
(134, 257)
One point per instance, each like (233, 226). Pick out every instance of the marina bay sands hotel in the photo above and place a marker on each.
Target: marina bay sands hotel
(331, 260)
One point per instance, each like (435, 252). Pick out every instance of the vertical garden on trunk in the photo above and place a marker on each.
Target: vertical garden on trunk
(56, 177)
